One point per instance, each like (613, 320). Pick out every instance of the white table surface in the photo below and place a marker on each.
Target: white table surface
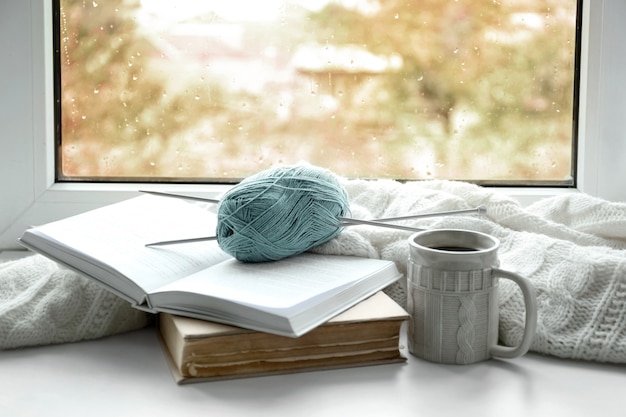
(126, 375)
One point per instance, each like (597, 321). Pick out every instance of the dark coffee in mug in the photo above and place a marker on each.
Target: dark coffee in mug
(453, 248)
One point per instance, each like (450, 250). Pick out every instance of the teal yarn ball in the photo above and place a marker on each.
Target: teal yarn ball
(280, 212)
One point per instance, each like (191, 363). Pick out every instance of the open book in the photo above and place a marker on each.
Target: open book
(287, 297)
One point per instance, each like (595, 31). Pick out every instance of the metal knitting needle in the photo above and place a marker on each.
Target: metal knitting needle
(201, 239)
(372, 223)
(347, 221)
(173, 242)
(185, 197)
(355, 222)
(344, 221)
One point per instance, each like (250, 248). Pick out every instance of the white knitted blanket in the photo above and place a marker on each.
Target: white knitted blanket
(572, 247)
(42, 303)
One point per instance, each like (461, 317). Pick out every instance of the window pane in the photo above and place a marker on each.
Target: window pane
(217, 90)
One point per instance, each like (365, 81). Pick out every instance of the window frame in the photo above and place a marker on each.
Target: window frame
(27, 123)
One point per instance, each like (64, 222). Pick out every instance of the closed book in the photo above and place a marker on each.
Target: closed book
(366, 334)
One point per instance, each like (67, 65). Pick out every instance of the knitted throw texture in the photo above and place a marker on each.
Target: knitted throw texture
(42, 303)
(572, 248)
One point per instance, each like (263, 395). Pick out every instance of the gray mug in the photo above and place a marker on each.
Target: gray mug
(452, 288)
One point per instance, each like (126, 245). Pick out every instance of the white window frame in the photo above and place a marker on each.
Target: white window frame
(29, 194)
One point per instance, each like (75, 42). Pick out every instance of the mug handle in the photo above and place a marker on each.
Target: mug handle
(530, 302)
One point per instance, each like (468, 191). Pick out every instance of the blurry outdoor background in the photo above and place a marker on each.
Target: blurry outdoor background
(218, 90)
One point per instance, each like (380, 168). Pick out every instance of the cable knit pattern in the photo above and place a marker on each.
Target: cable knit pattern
(466, 334)
(572, 247)
(41, 303)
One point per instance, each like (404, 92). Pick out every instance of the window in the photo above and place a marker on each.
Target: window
(30, 194)
(215, 91)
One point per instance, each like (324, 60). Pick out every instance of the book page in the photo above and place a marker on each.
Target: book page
(276, 285)
(116, 236)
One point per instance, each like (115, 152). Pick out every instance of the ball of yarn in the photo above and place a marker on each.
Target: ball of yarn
(280, 212)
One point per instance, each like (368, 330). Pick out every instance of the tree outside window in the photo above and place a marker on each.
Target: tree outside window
(480, 91)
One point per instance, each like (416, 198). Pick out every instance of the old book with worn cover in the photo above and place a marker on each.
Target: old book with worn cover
(366, 334)
(288, 297)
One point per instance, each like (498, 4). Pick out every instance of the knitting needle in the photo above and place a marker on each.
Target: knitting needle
(201, 239)
(356, 222)
(186, 197)
(346, 221)
(173, 242)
